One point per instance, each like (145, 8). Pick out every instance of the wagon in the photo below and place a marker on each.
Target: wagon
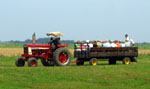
(124, 54)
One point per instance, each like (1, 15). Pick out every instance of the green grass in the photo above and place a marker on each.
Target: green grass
(143, 46)
(20, 45)
(11, 45)
(102, 76)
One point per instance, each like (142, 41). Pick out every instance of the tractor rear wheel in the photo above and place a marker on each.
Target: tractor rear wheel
(79, 62)
(20, 62)
(126, 60)
(32, 62)
(47, 62)
(62, 57)
(93, 61)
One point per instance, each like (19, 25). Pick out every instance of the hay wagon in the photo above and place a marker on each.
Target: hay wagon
(124, 54)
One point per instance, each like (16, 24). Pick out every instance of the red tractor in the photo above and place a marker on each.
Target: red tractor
(50, 54)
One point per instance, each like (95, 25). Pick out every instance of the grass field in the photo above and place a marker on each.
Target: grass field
(102, 76)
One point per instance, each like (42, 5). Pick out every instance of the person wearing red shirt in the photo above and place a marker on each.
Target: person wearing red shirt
(117, 43)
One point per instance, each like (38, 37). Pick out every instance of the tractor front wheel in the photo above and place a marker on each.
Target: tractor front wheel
(32, 62)
(20, 62)
(62, 57)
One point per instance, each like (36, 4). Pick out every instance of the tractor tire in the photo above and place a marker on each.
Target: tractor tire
(47, 62)
(126, 60)
(20, 62)
(93, 62)
(112, 61)
(32, 62)
(62, 57)
(79, 62)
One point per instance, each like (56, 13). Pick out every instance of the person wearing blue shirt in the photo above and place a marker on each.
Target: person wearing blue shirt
(122, 44)
(127, 43)
(107, 44)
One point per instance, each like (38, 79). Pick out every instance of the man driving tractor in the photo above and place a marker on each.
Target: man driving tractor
(56, 39)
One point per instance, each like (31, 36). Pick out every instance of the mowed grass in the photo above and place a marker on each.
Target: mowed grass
(102, 76)
(11, 45)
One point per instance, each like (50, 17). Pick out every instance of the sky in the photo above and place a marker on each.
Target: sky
(77, 19)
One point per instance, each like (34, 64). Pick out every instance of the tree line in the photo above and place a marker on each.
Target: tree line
(40, 40)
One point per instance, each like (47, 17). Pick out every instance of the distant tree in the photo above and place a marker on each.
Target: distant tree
(41, 41)
(28, 41)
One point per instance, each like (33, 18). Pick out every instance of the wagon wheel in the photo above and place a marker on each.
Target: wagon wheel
(79, 62)
(126, 60)
(32, 62)
(47, 62)
(93, 61)
(20, 62)
(62, 57)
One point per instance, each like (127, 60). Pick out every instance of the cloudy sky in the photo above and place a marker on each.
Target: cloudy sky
(77, 19)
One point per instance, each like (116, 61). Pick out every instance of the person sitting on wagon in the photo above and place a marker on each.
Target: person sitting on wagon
(99, 44)
(86, 43)
(127, 43)
(122, 44)
(83, 46)
(94, 44)
(112, 44)
(117, 43)
(128, 39)
(107, 44)
(90, 44)
(78, 46)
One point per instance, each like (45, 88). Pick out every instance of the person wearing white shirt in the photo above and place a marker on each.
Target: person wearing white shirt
(113, 44)
(90, 44)
(128, 39)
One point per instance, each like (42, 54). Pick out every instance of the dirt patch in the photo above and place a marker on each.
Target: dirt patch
(144, 51)
(72, 51)
(16, 51)
(11, 51)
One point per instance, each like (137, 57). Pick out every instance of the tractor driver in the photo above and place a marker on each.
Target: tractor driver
(55, 41)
